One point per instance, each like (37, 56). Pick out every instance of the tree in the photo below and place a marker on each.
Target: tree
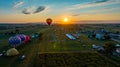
(93, 35)
(17, 31)
(40, 36)
(107, 37)
(117, 32)
(109, 47)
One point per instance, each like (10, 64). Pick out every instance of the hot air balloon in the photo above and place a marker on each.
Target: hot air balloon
(22, 36)
(49, 21)
(14, 41)
(27, 38)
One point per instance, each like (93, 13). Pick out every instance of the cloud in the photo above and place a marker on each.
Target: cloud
(39, 9)
(26, 11)
(101, 1)
(93, 4)
(16, 5)
(96, 11)
(33, 10)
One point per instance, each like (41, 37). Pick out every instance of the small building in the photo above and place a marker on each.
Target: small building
(99, 34)
(115, 36)
(76, 34)
(118, 50)
(70, 36)
(117, 45)
(98, 48)
(94, 46)
(86, 32)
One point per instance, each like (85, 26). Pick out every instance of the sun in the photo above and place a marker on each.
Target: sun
(65, 20)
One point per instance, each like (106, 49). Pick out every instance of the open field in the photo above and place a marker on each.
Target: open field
(55, 49)
(81, 59)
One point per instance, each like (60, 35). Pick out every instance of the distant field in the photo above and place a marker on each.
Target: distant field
(54, 42)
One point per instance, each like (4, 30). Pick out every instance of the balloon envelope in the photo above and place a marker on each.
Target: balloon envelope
(49, 21)
(27, 38)
(22, 37)
(14, 41)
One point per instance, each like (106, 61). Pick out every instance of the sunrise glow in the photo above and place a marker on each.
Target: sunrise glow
(24, 11)
(65, 19)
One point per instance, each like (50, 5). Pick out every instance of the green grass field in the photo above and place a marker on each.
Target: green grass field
(54, 42)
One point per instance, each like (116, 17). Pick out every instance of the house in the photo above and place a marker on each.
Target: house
(99, 34)
(94, 46)
(98, 48)
(86, 32)
(100, 31)
(117, 45)
(76, 34)
(115, 36)
(117, 52)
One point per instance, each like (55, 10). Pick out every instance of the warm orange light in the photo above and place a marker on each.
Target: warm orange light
(65, 19)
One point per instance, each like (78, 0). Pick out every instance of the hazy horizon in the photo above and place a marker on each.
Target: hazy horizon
(75, 22)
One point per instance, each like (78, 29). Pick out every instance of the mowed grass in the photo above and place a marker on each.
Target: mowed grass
(53, 41)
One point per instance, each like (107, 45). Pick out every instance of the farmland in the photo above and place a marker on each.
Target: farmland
(55, 49)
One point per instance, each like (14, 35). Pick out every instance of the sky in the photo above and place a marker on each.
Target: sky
(75, 10)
